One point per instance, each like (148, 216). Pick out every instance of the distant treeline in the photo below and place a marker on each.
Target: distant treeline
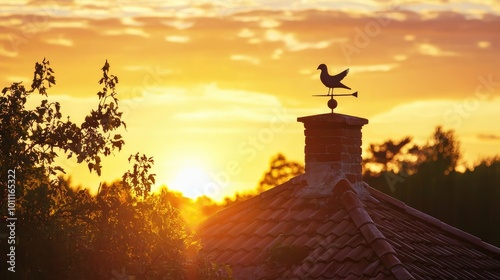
(469, 201)
(424, 177)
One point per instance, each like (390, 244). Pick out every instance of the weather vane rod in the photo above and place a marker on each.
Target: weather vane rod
(332, 82)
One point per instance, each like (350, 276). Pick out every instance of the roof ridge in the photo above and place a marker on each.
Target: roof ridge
(434, 221)
(374, 237)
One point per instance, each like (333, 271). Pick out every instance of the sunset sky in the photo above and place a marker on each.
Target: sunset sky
(212, 89)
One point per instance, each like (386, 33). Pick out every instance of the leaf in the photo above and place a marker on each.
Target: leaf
(106, 66)
(58, 168)
(98, 169)
(117, 136)
(152, 178)
(52, 80)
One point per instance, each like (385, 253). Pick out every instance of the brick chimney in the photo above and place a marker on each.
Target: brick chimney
(333, 145)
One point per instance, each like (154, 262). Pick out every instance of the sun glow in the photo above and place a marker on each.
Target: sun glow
(191, 179)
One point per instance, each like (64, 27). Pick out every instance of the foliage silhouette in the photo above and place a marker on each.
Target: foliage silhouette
(442, 152)
(388, 155)
(31, 139)
(425, 177)
(66, 233)
(139, 180)
(280, 171)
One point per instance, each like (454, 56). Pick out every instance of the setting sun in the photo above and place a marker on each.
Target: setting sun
(191, 179)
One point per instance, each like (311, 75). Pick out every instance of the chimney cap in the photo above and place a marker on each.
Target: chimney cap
(333, 118)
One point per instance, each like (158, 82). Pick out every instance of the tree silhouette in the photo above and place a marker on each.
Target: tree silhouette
(442, 152)
(280, 171)
(66, 233)
(387, 156)
(32, 139)
(431, 183)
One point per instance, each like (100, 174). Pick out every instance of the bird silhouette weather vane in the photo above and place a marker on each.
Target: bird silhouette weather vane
(332, 82)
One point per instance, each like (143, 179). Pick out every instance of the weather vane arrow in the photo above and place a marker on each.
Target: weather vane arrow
(332, 82)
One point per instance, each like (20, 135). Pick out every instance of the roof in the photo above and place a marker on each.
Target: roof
(349, 234)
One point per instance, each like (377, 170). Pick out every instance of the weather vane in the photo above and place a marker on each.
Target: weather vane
(332, 82)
